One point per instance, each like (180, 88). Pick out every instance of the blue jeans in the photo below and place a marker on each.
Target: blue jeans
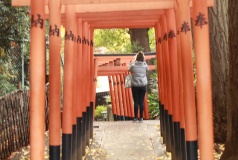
(138, 94)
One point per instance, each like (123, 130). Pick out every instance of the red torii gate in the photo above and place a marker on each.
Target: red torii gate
(116, 67)
(175, 70)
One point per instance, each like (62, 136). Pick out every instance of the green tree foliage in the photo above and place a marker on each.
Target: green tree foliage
(151, 34)
(14, 29)
(14, 24)
(114, 40)
(118, 40)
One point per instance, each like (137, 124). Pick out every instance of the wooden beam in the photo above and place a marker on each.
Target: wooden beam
(66, 2)
(119, 68)
(120, 24)
(122, 18)
(124, 24)
(104, 71)
(107, 1)
(102, 60)
(129, 6)
(127, 19)
(83, 2)
(106, 62)
(100, 5)
(110, 7)
(121, 13)
(122, 58)
(108, 73)
(116, 14)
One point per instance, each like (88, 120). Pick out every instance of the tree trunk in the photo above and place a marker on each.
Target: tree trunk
(218, 23)
(231, 144)
(139, 39)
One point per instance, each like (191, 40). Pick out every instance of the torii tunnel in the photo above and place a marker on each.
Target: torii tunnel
(185, 125)
(116, 68)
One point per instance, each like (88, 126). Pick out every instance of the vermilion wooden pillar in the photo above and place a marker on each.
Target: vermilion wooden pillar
(203, 71)
(54, 79)
(146, 115)
(168, 100)
(91, 59)
(79, 67)
(95, 79)
(128, 105)
(116, 97)
(37, 80)
(173, 58)
(188, 87)
(68, 83)
(180, 84)
(120, 96)
(112, 96)
(125, 105)
(74, 107)
(84, 64)
(95, 82)
(92, 82)
(160, 78)
(85, 76)
(131, 103)
(88, 93)
(79, 89)
(118, 93)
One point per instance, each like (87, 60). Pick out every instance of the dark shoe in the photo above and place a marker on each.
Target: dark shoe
(141, 120)
(135, 120)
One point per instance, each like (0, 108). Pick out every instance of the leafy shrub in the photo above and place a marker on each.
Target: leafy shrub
(153, 102)
(5, 86)
(153, 106)
(98, 111)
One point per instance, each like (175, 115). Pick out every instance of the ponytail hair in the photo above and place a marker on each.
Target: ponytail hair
(140, 56)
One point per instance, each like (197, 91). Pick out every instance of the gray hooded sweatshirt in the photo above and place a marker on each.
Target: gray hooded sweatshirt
(138, 70)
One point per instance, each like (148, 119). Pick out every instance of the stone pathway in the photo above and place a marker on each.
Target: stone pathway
(125, 140)
(120, 140)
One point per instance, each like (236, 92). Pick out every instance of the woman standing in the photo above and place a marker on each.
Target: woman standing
(138, 68)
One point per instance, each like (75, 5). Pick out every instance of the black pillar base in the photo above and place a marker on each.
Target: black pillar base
(115, 117)
(183, 144)
(167, 132)
(74, 142)
(118, 118)
(84, 133)
(171, 128)
(91, 119)
(66, 147)
(79, 138)
(87, 125)
(192, 150)
(161, 119)
(54, 152)
(164, 123)
(177, 141)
